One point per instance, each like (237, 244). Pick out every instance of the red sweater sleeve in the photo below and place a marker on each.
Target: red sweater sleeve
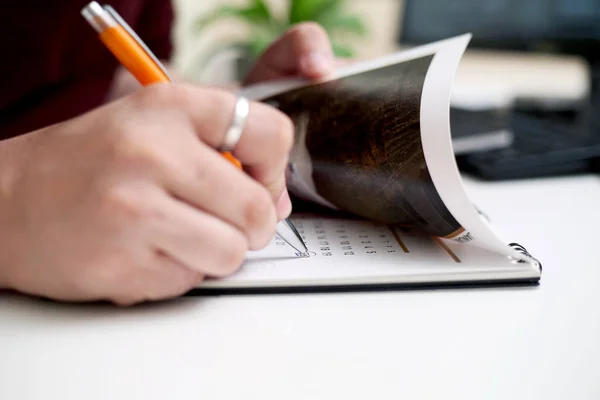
(54, 67)
(155, 26)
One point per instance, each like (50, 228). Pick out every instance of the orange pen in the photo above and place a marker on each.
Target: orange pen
(129, 49)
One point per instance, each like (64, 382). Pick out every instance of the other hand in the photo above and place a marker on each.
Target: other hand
(303, 51)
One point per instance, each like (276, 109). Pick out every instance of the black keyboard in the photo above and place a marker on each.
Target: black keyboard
(475, 131)
(541, 147)
(544, 144)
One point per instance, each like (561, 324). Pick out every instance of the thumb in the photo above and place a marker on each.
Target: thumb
(304, 50)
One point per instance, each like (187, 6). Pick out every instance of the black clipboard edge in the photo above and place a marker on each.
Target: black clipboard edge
(364, 288)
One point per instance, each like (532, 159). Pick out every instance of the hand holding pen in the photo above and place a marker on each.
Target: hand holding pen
(130, 202)
(134, 55)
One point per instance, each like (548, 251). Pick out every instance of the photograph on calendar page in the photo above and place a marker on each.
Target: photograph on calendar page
(374, 141)
(358, 147)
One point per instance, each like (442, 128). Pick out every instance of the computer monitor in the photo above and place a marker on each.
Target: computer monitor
(554, 26)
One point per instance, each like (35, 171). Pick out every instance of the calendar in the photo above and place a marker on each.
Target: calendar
(338, 238)
(346, 252)
(373, 141)
(331, 238)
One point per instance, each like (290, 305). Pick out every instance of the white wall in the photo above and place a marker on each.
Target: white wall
(381, 18)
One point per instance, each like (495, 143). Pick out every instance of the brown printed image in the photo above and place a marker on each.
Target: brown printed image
(358, 143)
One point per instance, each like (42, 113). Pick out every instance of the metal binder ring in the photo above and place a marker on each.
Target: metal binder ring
(234, 133)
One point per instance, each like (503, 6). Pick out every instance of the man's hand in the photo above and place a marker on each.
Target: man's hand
(303, 51)
(131, 202)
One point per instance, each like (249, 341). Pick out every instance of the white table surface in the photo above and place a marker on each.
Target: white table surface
(527, 343)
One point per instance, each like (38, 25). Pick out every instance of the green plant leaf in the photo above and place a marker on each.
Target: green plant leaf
(260, 39)
(258, 45)
(265, 27)
(255, 14)
(309, 10)
(334, 23)
(331, 7)
(342, 51)
(261, 8)
(329, 14)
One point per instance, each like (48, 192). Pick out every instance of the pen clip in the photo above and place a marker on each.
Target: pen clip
(113, 13)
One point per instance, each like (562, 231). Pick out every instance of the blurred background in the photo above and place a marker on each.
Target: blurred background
(526, 96)
(361, 28)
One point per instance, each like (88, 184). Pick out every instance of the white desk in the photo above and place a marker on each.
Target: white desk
(534, 343)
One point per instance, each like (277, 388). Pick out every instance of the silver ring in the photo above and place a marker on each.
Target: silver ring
(234, 133)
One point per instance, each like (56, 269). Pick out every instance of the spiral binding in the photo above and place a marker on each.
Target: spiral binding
(524, 251)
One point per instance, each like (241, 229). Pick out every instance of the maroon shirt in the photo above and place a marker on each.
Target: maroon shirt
(53, 66)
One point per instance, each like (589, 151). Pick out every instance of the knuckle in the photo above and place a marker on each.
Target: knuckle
(121, 202)
(222, 100)
(125, 143)
(234, 251)
(156, 95)
(285, 133)
(163, 97)
(258, 211)
(134, 149)
(151, 96)
(180, 94)
(221, 104)
(265, 237)
(260, 218)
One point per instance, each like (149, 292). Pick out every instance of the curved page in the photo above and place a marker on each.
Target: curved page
(374, 140)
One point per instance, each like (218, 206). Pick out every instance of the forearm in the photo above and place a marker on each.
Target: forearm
(10, 154)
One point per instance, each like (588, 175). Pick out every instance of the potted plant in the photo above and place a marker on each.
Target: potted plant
(265, 27)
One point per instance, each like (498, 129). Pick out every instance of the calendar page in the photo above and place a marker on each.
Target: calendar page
(354, 251)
